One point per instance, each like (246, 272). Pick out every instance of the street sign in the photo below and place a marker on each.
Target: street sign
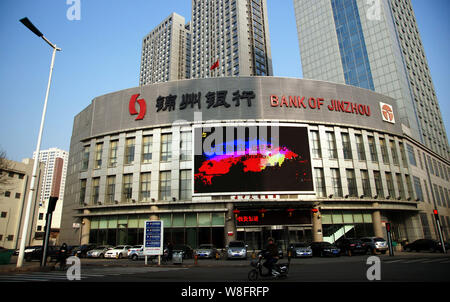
(153, 238)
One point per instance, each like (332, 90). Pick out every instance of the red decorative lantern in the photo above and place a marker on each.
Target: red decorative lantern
(262, 211)
(290, 211)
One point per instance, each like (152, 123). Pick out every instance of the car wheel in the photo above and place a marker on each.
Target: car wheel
(134, 257)
(120, 255)
(101, 256)
(432, 250)
(253, 275)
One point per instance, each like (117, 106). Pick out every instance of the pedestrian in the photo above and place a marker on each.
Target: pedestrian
(170, 250)
(271, 256)
(62, 256)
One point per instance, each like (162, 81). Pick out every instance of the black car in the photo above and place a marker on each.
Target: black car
(187, 251)
(82, 250)
(35, 253)
(425, 245)
(324, 249)
(351, 246)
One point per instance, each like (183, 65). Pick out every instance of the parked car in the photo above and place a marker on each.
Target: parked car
(375, 244)
(237, 249)
(134, 248)
(35, 253)
(206, 251)
(324, 249)
(98, 252)
(425, 245)
(186, 250)
(351, 246)
(120, 251)
(300, 249)
(81, 251)
(136, 252)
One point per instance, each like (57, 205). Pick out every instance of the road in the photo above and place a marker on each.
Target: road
(407, 268)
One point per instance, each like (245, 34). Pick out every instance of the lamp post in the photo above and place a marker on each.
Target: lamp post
(31, 27)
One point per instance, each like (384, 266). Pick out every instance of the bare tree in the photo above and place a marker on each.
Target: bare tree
(5, 166)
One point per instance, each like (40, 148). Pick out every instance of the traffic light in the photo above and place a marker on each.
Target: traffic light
(436, 215)
(52, 204)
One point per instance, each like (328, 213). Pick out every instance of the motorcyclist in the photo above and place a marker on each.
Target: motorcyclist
(271, 256)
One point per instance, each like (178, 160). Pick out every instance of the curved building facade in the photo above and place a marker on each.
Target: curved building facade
(245, 158)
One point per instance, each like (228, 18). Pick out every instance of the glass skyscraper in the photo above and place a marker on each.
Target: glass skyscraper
(374, 45)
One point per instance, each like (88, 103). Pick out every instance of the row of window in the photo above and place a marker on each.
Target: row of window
(144, 193)
(146, 151)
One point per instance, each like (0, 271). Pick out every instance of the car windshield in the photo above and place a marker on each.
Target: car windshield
(101, 247)
(300, 245)
(379, 239)
(206, 246)
(236, 244)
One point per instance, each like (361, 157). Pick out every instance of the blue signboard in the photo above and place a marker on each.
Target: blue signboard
(153, 238)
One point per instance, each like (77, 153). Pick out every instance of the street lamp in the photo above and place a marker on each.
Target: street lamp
(36, 31)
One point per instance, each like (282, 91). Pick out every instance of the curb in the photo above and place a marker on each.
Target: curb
(26, 269)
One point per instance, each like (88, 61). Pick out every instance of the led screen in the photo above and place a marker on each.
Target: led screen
(251, 159)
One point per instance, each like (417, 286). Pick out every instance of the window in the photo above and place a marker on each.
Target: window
(346, 146)
(95, 189)
(127, 187)
(401, 189)
(384, 153)
(372, 149)
(378, 184)
(320, 182)
(113, 153)
(98, 156)
(110, 189)
(186, 146)
(332, 152)
(316, 152)
(336, 182)
(85, 160)
(360, 147)
(129, 151)
(17, 195)
(418, 188)
(351, 183)
(3, 215)
(390, 185)
(366, 183)
(403, 154)
(394, 152)
(165, 192)
(166, 147)
(185, 185)
(7, 193)
(147, 146)
(41, 216)
(411, 155)
(82, 190)
(145, 186)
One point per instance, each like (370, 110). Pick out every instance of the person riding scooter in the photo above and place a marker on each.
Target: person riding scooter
(271, 256)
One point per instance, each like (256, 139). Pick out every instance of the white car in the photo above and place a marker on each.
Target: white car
(120, 251)
(134, 248)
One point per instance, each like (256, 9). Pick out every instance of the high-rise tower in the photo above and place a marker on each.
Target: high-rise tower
(374, 45)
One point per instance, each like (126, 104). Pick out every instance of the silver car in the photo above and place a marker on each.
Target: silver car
(236, 250)
(300, 249)
(206, 251)
(98, 252)
(375, 244)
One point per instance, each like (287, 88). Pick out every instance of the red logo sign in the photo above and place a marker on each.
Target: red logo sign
(387, 113)
(132, 107)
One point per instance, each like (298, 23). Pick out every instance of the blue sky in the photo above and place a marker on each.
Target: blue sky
(101, 54)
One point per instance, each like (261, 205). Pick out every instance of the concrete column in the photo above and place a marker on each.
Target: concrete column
(154, 216)
(230, 224)
(376, 221)
(85, 228)
(317, 226)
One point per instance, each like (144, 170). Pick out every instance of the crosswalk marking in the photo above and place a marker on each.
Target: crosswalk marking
(85, 274)
(421, 260)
